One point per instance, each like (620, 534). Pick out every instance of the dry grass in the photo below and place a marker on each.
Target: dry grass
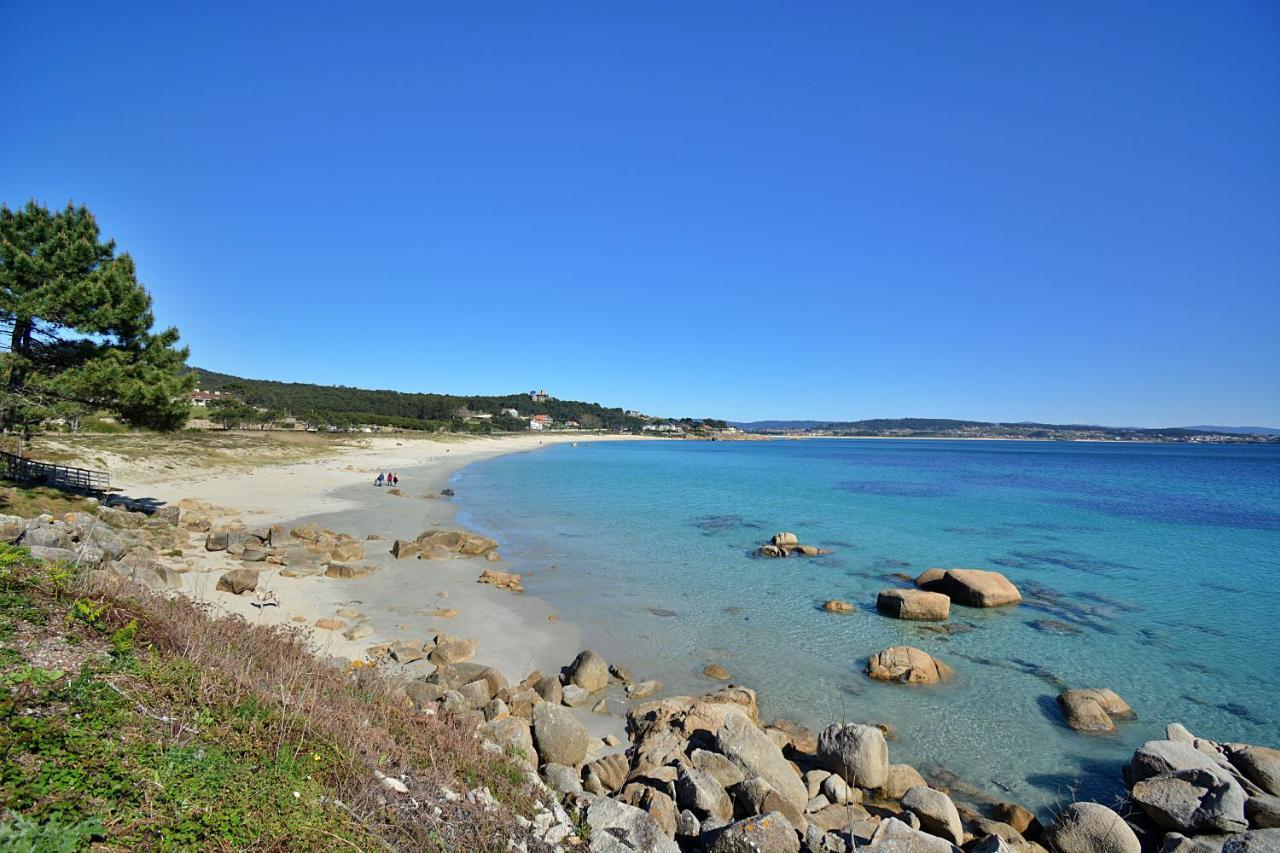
(359, 712)
(357, 717)
(30, 501)
(148, 456)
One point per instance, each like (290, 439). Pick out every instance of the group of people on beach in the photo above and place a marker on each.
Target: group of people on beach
(389, 478)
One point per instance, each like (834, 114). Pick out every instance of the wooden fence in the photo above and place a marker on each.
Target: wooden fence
(23, 470)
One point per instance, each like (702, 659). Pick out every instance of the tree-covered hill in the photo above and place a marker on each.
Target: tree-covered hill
(339, 405)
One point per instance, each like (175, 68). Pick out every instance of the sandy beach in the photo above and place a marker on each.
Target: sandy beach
(409, 599)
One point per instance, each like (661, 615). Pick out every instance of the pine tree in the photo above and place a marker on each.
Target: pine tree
(79, 327)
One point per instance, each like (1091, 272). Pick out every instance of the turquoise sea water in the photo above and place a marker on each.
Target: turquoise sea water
(1150, 569)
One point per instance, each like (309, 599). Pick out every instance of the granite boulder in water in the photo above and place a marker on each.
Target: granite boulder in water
(971, 587)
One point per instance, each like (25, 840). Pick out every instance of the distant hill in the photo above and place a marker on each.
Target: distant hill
(1238, 430)
(339, 405)
(947, 428)
(874, 424)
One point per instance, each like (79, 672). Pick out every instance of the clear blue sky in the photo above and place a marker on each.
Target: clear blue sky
(1058, 212)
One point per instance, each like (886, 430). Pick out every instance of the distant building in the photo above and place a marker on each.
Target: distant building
(539, 396)
(539, 421)
(204, 398)
(511, 413)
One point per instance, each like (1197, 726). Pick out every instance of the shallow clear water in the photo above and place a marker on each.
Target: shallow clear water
(1159, 566)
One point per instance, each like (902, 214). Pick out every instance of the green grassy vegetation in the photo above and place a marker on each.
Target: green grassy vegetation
(28, 501)
(132, 721)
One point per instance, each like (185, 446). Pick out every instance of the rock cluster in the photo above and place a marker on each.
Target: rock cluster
(444, 545)
(1207, 795)
(118, 538)
(786, 545)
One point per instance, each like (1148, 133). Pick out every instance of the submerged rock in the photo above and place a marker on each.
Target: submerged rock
(907, 665)
(1094, 709)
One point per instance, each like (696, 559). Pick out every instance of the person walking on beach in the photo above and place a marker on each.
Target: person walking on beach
(378, 482)
(395, 480)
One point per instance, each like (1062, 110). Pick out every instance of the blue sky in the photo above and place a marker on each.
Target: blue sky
(1054, 212)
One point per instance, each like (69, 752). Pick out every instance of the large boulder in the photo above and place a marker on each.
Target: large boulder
(558, 736)
(1263, 811)
(513, 734)
(859, 754)
(1254, 841)
(972, 587)
(717, 766)
(756, 796)
(743, 743)
(589, 671)
(610, 770)
(915, 604)
(48, 536)
(1090, 828)
(12, 528)
(894, 836)
(907, 665)
(451, 650)
(937, 814)
(1260, 765)
(619, 828)
(702, 794)
(900, 779)
(1094, 709)
(756, 834)
(237, 581)
(1158, 757)
(1193, 801)
(53, 555)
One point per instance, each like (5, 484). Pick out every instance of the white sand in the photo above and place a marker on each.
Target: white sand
(398, 599)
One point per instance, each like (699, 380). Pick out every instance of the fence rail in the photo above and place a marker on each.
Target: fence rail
(23, 470)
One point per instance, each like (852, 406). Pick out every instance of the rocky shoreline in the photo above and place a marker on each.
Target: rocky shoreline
(706, 773)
